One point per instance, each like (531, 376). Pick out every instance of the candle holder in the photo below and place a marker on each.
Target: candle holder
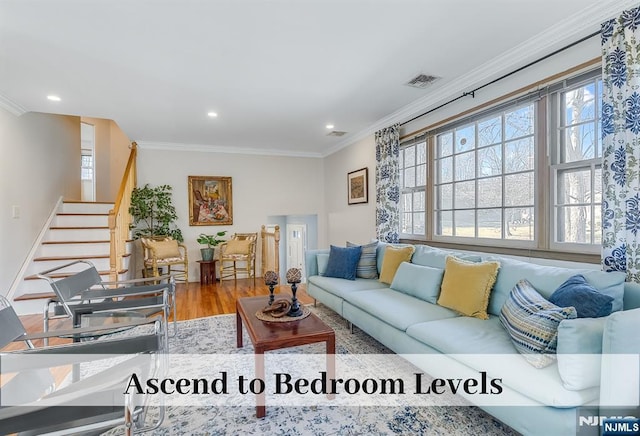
(271, 280)
(294, 276)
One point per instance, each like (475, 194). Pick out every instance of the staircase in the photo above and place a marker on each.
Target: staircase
(78, 231)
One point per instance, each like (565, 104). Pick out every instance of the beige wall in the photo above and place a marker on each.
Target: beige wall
(355, 223)
(263, 186)
(40, 162)
(111, 154)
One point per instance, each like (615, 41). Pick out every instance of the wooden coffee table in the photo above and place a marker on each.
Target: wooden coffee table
(267, 336)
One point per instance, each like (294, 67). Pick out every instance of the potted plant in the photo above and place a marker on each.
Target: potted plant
(211, 241)
(153, 213)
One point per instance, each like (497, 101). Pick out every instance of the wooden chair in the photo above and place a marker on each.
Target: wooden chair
(240, 248)
(165, 252)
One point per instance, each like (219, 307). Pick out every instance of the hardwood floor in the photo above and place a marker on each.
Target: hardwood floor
(193, 301)
(196, 301)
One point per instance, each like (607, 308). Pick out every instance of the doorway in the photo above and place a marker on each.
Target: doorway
(296, 246)
(87, 162)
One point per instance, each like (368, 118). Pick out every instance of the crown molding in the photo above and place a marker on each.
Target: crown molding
(172, 146)
(11, 106)
(582, 23)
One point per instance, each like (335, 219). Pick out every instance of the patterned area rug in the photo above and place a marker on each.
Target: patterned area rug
(217, 334)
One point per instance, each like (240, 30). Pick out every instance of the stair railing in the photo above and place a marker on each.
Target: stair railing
(120, 218)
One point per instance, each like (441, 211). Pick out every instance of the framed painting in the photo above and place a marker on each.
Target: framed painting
(358, 186)
(210, 201)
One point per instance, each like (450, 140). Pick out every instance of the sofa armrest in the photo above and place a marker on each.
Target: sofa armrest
(620, 374)
(311, 262)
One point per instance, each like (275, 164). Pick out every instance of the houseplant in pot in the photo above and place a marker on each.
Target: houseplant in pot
(211, 241)
(153, 213)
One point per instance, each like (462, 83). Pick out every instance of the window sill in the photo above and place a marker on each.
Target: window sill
(522, 252)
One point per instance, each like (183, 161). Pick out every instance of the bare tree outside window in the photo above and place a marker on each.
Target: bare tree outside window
(578, 173)
(485, 183)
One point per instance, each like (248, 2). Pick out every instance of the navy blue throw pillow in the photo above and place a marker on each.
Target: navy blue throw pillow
(577, 292)
(343, 262)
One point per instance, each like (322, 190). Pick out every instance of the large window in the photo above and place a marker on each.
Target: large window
(576, 164)
(413, 179)
(485, 180)
(526, 173)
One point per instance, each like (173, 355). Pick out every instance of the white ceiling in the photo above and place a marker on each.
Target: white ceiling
(276, 71)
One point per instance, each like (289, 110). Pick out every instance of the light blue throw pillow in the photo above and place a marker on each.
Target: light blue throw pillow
(419, 281)
(322, 259)
(532, 322)
(579, 352)
(343, 262)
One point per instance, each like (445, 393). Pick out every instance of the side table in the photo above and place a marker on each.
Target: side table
(207, 271)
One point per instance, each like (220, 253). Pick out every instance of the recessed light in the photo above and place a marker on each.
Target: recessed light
(212, 114)
(329, 126)
(53, 98)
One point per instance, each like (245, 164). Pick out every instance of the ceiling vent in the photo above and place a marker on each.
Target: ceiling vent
(421, 81)
(336, 133)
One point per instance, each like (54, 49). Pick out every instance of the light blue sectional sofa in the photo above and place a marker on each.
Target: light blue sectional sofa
(405, 318)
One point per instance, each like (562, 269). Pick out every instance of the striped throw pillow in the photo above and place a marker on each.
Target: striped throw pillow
(367, 267)
(532, 323)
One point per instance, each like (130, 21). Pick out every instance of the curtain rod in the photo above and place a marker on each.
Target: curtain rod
(473, 91)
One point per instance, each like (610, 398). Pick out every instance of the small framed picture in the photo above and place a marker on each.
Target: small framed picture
(358, 186)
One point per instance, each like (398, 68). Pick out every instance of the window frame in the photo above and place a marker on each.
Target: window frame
(414, 142)
(546, 149)
(493, 112)
(557, 165)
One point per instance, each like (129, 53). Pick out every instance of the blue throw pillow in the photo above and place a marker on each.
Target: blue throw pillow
(577, 292)
(343, 262)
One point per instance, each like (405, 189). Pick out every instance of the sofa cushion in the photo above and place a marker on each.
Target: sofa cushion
(343, 262)
(322, 259)
(367, 267)
(546, 279)
(436, 258)
(398, 309)
(342, 287)
(393, 257)
(464, 335)
(532, 322)
(577, 292)
(419, 281)
(466, 286)
(579, 352)
(484, 345)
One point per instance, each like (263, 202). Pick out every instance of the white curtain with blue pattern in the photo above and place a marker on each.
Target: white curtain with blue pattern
(621, 144)
(388, 184)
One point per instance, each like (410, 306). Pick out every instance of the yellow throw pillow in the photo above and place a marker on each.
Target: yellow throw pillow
(237, 246)
(393, 257)
(466, 286)
(165, 249)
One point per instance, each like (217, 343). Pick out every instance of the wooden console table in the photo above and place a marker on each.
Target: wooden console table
(207, 271)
